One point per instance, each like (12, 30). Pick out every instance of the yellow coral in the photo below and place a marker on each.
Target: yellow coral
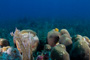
(56, 29)
(5, 48)
(53, 32)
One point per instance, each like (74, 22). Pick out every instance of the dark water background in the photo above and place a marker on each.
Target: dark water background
(44, 15)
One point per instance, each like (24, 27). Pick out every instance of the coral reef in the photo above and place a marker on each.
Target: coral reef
(76, 46)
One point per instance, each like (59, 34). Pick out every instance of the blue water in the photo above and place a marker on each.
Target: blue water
(14, 9)
(44, 15)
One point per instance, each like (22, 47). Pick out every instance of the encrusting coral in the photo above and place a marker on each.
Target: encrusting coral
(26, 42)
(9, 53)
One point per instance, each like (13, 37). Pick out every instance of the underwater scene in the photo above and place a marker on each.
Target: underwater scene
(44, 30)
